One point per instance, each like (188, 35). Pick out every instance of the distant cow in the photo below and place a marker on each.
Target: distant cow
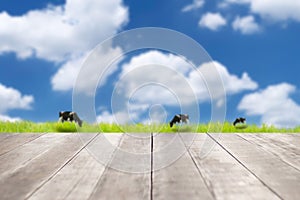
(180, 118)
(69, 116)
(239, 120)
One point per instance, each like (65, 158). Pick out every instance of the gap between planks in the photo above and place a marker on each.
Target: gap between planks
(60, 168)
(242, 164)
(219, 143)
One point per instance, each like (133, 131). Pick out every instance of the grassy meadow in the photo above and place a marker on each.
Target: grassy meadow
(54, 127)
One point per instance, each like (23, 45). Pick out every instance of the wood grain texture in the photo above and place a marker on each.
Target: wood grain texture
(278, 176)
(226, 177)
(279, 146)
(44, 158)
(149, 166)
(11, 141)
(127, 176)
(179, 179)
(79, 177)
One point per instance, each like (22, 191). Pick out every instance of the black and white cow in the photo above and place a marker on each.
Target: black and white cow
(239, 120)
(69, 116)
(180, 118)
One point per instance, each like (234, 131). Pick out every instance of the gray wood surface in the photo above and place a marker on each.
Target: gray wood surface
(149, 166)
(280, 146)
(78, 178)
(281, 178)
(42, 158)
(226, 177)
(122, 183)
(9, 141)
(177, 180)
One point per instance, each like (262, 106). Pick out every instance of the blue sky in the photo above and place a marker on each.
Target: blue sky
(44, 43)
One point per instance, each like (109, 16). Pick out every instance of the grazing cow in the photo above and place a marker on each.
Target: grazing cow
(69, 116)
(239, 120)
(180, 118)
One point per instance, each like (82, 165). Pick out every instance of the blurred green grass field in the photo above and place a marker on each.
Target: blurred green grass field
(54, 127)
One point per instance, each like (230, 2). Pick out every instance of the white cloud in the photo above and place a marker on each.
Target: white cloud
(274, 105)
(227, 3)
(277, 10)
(120, 117)
(212, 21)
(231, 83)
(9, 119)
(193, 6)
(63, 34)
(164, 71)
(11, 99)
(237, 1)
(58, 33)
(65, 77)
(177, 70)
(106, 117)
(97, 67)
(246, 25)
(156, 78)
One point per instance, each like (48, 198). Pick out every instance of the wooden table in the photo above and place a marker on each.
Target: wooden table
(64, 166)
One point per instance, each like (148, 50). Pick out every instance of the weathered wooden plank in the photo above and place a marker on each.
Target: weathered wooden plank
(280, 177)
(226, 177)
(21, 156)
(56, 166)
(176, 175)
(78, 178)
(119, 180)
(3, 136)
(24, 179)
(294, 137)
(13, 141)
(291, 140)
(285, 151)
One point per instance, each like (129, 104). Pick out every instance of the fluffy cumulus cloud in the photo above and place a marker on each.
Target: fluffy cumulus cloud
(9, 119)
(170, 81)
(120, 117)
(57, 33)
(63, 34)
(226, 3)
(246, 25)
(130, 113)
(231, 82)
(65, 77)
(11, 99)
(277, 10)
(212, 21)
(96, 68)
(236, 1)
(274, 105)
(193, 6)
